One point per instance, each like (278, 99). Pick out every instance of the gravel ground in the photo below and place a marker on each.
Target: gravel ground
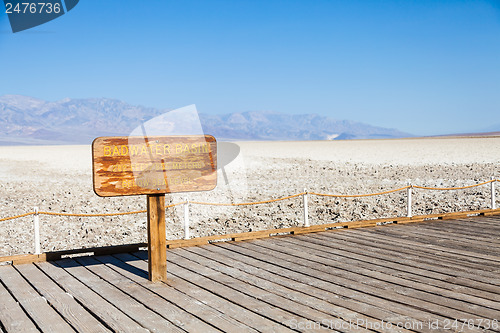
(59, 179)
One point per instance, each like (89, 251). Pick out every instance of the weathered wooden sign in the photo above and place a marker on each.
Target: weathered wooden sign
(154, 165)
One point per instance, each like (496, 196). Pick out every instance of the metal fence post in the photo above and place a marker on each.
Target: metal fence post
(186, 220)
(408, 209)
(493, 194)
(306, 212)
(36, 224)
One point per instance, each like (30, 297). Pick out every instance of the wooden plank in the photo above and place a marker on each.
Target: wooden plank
(429, 292)
(459, 214)
(332, 284)
(239, 236)
(35, 305)
(205, 296)
(456, 240)
(470, 254)
(453, 217)
(423, 235)
(170, 312)
(489, 213)
(472, 225)
(256, 299)
(344, 260)
(407, 243)
(406, 249)
(412, 221)
(24, 258)
(157, 246)
(106, 311)
(420, 253)
(57, 255)
(131, 307)
(154, 165)
(402, 261)
(398, 303)
(270, 233)
(475, 231)
(280, 317)
(489, 221)
(12, 316)
(475, 224)
(200, 310)
(77, 316)
(478, 223)
(218, 259)
(493, 218)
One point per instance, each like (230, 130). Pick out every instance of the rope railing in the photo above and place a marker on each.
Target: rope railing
(100, 215)
(358, 195)
(92, 215)
(304, 194)
(247, 203)
(253, 203)
(454, 188)
(16, 216)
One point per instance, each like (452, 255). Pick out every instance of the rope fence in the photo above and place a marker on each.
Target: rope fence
(247, 203)
(304, 195)
(358, 195)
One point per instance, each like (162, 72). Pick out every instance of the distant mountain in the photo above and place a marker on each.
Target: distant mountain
(27, 120)
(263, 125)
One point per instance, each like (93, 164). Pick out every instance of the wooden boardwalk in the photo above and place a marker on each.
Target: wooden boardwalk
(396, 278)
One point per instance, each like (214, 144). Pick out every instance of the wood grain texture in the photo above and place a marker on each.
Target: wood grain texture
(171, 313)
(65, 304)
(91, 298)
(12, 316)
(124, 264)
(157, 243)
(153, 165)
(230, 311)
(127, 304)
(399, 274)
(36, 306)
(288, 293)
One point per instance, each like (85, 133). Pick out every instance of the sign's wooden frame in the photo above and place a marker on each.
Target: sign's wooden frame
(153, 165)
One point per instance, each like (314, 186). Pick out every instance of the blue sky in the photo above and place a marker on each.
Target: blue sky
(425, 67)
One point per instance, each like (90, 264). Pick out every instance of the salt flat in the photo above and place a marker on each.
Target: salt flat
(402, 152)
(399, 151)
(59, 179)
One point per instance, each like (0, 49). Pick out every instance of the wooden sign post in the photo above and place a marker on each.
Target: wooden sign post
(157, 244)
(154, 166)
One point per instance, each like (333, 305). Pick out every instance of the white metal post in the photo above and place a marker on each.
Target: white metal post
(493, 194)
(408, 209)
(36, 223)
(186, 220)
(306, 212)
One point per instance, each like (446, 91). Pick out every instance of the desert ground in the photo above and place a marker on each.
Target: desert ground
(59, 179)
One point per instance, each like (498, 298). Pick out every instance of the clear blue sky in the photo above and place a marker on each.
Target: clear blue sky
(424, 67)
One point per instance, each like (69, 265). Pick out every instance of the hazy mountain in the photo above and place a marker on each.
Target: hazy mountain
(264, 125)
(27, 120)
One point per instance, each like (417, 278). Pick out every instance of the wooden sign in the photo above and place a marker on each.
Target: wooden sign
(154, 165)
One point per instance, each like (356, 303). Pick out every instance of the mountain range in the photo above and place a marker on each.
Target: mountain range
(28, 120)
